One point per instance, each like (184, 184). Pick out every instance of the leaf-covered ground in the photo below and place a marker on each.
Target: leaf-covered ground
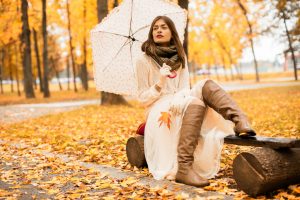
(99, 133)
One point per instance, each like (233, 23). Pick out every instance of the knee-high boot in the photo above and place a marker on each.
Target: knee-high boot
(215, 97)
(189, 134)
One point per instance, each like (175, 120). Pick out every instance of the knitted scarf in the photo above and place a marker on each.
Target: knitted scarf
(167, 55)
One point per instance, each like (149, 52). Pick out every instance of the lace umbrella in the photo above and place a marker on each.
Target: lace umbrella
(116, 41)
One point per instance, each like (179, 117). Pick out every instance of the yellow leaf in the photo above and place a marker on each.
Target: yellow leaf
(53, 191)
(74, 196)
(105, 185)
(128, 181)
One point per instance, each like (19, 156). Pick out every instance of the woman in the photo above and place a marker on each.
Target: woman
(188, 149)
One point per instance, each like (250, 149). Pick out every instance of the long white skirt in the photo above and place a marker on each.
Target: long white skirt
(161, 142)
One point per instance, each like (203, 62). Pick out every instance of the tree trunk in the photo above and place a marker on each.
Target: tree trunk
(71, 47)
(10, 68)
(225, 73)
(107, 98)
(56, 73)
(34, 81)
(291, 48)
(116, 3)
(83, 76)
(185, 4)
(26, 52)
(241, 6)
(241, 71)
(102, 9)
(68, 71)
(238, 71)
(1, 71)
(231, 73)
(84, 72)
(45, 52)
(266, 169)
(112, 99)
(195, 72)
(224, 68)
(216, 71)
(255, 61)
(17, 73)
(37, 55)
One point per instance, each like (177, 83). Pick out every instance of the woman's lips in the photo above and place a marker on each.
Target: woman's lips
(159, 36)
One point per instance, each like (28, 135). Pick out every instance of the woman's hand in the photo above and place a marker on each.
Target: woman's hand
(164, 73)
(165, 70)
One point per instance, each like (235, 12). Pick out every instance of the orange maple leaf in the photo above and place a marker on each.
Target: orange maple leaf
(165, 117)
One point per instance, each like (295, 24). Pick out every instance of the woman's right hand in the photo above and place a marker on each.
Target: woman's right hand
(165, 70)
(164, 73)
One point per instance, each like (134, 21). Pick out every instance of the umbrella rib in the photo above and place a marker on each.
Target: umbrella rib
(114, 34)
(125, 43)
(131, 55)
(130, 31)
(140, 29)
(172, 13)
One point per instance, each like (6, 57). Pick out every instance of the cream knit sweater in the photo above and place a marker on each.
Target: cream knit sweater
(148, 75)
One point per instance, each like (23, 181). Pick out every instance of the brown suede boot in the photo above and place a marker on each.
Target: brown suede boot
(189, 134)
(215, 97)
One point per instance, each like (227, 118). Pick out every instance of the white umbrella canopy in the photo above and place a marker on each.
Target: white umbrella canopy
(116, 41)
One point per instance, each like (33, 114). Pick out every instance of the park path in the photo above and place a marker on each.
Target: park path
(20, 112)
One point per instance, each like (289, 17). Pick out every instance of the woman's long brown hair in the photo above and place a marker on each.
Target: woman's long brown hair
(149, 45)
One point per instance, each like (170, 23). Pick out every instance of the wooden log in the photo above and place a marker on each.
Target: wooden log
(260, 141)
(135, 151)
(136, 157)
(264, 169)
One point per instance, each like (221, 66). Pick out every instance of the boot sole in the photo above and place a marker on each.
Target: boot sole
(246, 134)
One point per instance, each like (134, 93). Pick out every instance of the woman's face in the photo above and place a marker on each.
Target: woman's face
(161, 33)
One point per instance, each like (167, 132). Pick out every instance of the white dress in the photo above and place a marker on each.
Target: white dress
(161, 142)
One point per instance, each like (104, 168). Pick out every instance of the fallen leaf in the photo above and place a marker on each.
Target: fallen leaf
(165, 118)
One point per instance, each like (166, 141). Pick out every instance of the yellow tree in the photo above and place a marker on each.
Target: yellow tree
(218, 35)
(85, 15)
(244, 8)
(10, 31)
(230, 33)
(45, 18)
(287, 10)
